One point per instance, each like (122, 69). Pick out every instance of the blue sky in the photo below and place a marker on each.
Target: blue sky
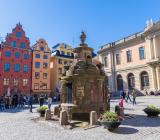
(58, 21)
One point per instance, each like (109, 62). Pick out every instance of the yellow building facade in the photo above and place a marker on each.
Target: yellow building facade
(41, 68)
(61, 55)
(133, 61)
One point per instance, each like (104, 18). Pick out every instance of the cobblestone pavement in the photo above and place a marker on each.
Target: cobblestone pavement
(19, 125)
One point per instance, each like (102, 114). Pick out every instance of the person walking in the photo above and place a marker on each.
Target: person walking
(134, 96)
(49, 102)
(10, 102)
(128, 97)
(41, 100)
(30, 101)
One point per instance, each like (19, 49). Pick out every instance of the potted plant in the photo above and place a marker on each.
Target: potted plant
(110, 120)
(41, 110)
(152, 111)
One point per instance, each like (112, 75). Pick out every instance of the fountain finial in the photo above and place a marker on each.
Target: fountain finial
(83, 37)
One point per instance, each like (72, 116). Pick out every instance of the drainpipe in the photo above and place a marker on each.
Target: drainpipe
(113, 68)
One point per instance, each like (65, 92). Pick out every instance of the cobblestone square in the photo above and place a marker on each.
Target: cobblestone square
(19, 125)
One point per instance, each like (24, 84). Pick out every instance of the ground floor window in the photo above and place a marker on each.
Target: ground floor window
(36, 86)
(119, 83)
(131, 81)
(44, 86)
(15, 81)
(25, 82)
(6, 81)
(144, 80)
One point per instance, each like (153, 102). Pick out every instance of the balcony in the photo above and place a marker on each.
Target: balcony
(153, 61)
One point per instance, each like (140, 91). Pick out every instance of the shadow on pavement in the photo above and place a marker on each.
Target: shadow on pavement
(15, 110)
(142, 121)
(125, 130)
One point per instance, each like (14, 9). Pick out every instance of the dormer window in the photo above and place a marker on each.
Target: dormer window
(18, 34)
(62, 52)
(13, 43)
(42, 48)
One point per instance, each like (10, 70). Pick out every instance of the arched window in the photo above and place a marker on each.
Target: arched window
(131, 81)
(144, 80)
(119, 82)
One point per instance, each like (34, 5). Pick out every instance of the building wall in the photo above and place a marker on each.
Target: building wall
(43, 84)
(55, 65)
(150, 40)
(12, 60)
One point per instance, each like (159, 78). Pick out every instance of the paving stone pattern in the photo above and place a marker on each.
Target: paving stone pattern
(19, 125)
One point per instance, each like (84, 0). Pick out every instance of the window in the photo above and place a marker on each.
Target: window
(7, 53)
(25, 82)
(37, 64)
(105, 61)
(16, 67)
(118, 59)
(42, 48)
(131, 81)
(18, 34)
(36, 86)
(62, 52)
(22, 45)
(65, 46)
(37, 75)
(59, 70)
(45, 65)
(44, 86)
(6, 81)
(17, 55)
(7, 67)
(37, 55)
(129, 56)
(13, 43)
(65, 62)
(119, 83)
(144, 80)
(44, 75)
(15, 82)
(68, 53)
(25, 68)
(45, 56)
(26, 56)
(141, 53)
(60, 61)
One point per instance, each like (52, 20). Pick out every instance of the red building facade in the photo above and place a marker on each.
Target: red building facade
(15, 63)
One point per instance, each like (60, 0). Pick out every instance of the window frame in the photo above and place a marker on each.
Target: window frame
(37, 55)
(129, 55)
(18, 34)
(22, 45)
(17, 56)
(118, 59)
(37, 64)
(15, 69)
(25, 68)
(8, 53)
(141, 57)
(8, 68)
(24, 56)
(45, 75)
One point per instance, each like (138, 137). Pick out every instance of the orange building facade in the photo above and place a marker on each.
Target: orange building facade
(41, 68)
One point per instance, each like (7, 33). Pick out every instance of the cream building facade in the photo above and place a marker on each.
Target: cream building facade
(62, 54)
(134, 61)
(41, 68)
